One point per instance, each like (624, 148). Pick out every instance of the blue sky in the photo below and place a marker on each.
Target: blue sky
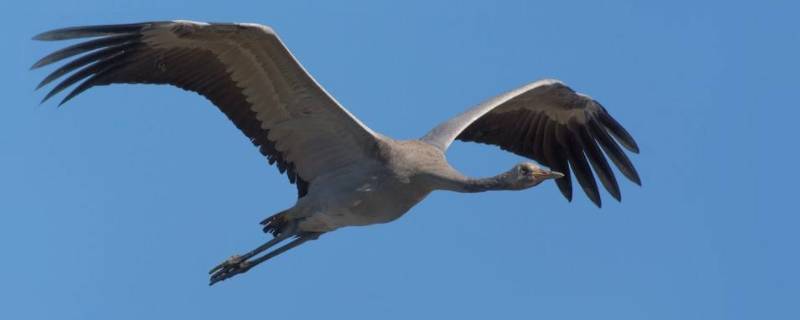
(116, 205)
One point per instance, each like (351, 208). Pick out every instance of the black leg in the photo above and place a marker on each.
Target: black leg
(230, 268)
(237, 259)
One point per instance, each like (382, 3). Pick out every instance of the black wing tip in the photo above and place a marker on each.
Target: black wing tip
(62, 102)
(616, 129)
(567, 195)
(46, 97)
(629, 144)
(67, 98)
(60, 34)
(38, 64)
(632, 175)
(635, 179)
(594, 196)
(592, 191)
(92, 64)
(564, 185)
(84, 47)
(634, 147)
(44, 36)
(90, 31)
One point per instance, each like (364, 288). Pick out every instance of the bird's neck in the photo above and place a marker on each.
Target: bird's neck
(461, 183)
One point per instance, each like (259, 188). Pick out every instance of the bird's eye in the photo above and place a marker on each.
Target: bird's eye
(525, 170)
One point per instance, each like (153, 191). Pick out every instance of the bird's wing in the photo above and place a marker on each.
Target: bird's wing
(554, 125)
(244, 69)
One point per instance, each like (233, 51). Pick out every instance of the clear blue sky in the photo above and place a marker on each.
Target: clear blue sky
(115, 206)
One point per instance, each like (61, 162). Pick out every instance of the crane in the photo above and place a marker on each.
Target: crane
(346, 174)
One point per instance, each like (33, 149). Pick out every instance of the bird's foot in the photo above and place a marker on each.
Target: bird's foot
(229, 268)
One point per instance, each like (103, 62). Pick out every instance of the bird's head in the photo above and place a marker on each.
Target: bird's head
(528, 174)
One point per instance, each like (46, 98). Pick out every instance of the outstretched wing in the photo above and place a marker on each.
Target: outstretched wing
(244, 69)
(554, 125)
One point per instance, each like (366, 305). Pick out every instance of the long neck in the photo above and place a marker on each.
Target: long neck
(460, 183)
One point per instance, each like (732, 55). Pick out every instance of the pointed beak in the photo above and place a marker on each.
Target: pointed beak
(555, 175)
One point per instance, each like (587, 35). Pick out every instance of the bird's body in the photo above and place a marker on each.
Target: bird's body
(346, 174)
(374, 191)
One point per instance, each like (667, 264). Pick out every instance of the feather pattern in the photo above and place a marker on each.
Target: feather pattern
(554, 125)
(243, 69)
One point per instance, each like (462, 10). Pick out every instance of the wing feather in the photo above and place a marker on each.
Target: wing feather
(599, 163)
(244, 69)
(554, 125)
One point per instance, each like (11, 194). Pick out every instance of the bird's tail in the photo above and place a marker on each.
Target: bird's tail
(276, 224)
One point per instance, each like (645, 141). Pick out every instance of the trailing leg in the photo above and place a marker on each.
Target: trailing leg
(242, 264)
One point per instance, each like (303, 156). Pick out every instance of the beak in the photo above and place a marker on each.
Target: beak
(554, 175)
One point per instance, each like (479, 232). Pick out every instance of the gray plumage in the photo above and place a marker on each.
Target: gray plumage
(346, 174)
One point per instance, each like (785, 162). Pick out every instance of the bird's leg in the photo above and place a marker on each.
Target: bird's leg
(241, 264)
(301, 238)
(237, 259)
(235, 262)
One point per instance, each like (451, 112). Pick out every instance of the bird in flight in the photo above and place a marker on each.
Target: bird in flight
(346, 174)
